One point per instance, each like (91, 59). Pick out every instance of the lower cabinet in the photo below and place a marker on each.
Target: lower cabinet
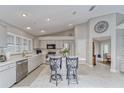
(34, 62)
(7, 75)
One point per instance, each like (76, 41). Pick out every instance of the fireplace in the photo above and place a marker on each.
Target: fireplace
(50, 54)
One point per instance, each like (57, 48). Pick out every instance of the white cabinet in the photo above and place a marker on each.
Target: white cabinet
(59, 44)
(36, 43)
(34, 62)
(17, 44)
(25, 44)
(7, 75)
(10, 43)
(29, 45)
(3, 37)
(43, 44)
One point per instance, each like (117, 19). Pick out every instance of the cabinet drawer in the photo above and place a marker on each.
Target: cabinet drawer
(8, 66)
(7, 77)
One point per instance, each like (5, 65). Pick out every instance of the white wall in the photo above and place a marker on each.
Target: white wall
(120, 48)
(119, 18)
(111, 31)
(63, 33)
(81, 39)
(13, 29)
(111, 21)
(18, 32)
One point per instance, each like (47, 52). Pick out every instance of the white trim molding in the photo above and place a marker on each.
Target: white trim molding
(57, 38)
(114, 70)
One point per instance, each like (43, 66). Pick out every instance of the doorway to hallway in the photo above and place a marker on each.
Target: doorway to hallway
(102, 51)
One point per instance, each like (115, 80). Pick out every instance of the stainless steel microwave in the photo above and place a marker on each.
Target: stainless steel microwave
(51, 46)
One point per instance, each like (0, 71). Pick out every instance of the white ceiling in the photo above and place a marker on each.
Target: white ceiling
(60, 16)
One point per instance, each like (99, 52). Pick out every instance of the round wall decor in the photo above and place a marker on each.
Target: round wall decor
(101, 26)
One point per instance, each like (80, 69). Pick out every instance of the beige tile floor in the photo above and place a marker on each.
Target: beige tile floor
(95, 77)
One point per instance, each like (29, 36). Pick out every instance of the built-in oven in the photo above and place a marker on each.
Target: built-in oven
(21, 69)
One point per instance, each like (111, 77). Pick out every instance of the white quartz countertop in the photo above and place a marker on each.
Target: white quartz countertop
(17, 58)
(12, 60)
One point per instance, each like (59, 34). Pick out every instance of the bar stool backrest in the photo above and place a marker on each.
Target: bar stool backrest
(55, 63)
(72, 62)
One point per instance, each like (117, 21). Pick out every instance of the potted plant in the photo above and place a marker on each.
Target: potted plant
(64, 52)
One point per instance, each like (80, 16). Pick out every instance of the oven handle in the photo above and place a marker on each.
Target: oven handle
(21, 62)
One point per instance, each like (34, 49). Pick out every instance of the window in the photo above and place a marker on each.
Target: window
(10, 43)
(106, 48)
(17, 44)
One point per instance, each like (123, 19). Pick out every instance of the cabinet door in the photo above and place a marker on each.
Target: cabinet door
(57, 44)
(7, 77)
(10, 43)
(44, 44)
(3, 37)
(25, 44)
(29, 45)
(30, 66)
(61, 44)
(18, 45)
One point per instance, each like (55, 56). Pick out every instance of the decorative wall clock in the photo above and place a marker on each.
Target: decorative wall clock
(101, 26)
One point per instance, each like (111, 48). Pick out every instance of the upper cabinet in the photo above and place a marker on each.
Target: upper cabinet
(3, 37)
(18, 44)
(36, 43)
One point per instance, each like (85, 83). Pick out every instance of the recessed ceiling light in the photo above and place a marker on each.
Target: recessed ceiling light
(28, 28)
(24, 15)
(42, 31)
(48, 19)
(70, 24)
(74, 12)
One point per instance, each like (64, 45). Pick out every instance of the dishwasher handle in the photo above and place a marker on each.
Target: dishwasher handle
(22, 61)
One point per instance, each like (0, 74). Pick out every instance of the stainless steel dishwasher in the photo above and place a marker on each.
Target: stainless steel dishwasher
(21, 69)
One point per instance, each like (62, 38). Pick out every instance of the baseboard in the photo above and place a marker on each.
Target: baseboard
(114, 70)
(90, 65)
